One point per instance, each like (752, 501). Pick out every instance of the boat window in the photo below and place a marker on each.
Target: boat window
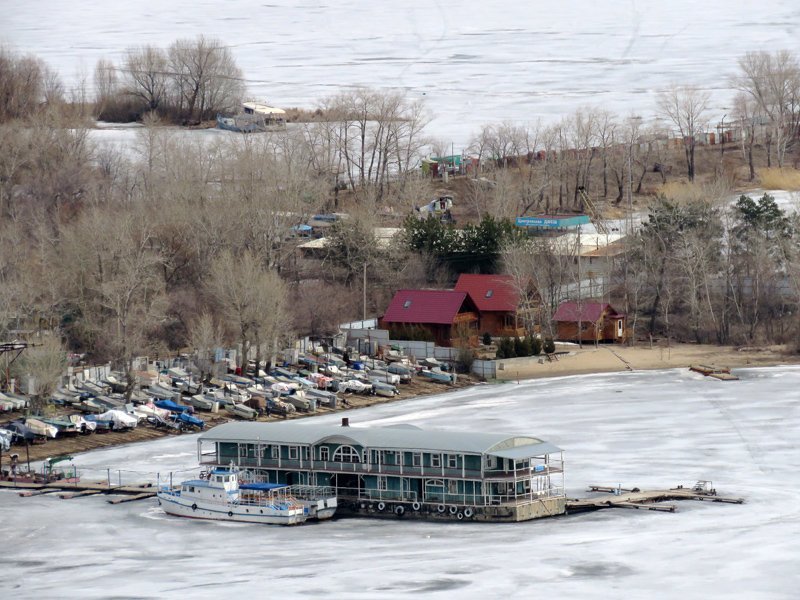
(346, 454)
(436, 460)
(452, 486)
(382, 483)
(294, 453)
(275, 451)
(324, 453)
(416, 459)
(434, 483)
(452, 461)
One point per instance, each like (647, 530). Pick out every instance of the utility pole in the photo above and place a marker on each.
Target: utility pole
(364, 305)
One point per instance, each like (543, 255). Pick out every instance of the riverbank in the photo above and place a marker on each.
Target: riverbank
(615, 358)
(572, 361)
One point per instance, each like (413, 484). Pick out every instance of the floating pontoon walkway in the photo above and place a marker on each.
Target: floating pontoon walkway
(721, 373)
(648, 499)
(67, 491)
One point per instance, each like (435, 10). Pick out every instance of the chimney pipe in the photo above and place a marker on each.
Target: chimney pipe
(345, 422)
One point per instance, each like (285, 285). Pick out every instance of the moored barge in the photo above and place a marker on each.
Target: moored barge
(400, 471)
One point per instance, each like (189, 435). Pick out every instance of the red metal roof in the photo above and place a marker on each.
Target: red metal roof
(490, 292)
(589, 312)
(425, 306)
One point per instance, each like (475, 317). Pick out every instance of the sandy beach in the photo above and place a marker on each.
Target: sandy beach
(614, 358)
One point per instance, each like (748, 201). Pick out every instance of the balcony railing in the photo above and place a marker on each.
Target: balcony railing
(381, 469)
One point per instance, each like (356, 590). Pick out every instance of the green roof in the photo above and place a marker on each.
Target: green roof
(395, 437)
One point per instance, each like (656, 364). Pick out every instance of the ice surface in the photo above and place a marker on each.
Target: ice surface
(649, 429)
(472, 61)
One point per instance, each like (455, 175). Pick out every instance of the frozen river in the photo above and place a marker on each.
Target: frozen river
(651, 430)
(471, 61)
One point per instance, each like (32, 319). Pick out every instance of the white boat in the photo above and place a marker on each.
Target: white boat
(200, 402)
(383, 376)
(82, 424)
(240, 410)
(219, 496)
(384, 389)
(40, 428)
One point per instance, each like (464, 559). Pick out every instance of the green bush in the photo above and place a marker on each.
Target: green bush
(549, 346)
(508, 348)
(519, 347)
(536, 346)
(487, 339)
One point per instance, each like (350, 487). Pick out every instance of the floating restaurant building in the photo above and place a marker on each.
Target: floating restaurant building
(399, 470)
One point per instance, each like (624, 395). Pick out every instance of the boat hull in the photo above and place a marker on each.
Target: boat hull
(176, 506)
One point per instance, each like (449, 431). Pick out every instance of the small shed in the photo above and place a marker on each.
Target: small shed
(589, 321)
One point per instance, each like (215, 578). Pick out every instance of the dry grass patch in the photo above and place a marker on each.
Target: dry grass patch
(779, 179)
(685, 192)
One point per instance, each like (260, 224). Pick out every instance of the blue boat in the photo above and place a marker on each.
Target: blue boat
(173, 406)
(189, 420)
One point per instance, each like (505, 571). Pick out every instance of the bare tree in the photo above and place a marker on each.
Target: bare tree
(204, 77)
(686, 108)
(45, 363)
(773, 81)
(145, 76)
(25, 84)
(748, 113)
(251, 299)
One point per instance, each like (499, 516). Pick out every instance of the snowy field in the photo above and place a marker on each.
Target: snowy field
(472, 62)
(648, 429)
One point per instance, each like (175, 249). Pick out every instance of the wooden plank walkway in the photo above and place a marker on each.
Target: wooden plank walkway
(721, 373)
(67, 491)
(648, 499)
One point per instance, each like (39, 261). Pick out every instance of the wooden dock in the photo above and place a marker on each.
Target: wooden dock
(67, 491)
(721, 373)
(647, 499)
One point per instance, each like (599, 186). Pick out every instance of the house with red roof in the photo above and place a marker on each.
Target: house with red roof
(589, 321)
(497, 299)
(446, 317)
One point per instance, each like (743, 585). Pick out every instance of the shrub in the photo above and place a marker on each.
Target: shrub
(519, 347)
(508, 348)
(464, 359)
(536, 346)
(549, 346)
(487, 339)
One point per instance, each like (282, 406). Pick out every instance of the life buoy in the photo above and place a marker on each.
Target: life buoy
(230, 513)
(453, 510)
(416, 506)
(468, 513)
(399, 510)
(441, 508)
(460, 516)
(194, 506)
(381, 505)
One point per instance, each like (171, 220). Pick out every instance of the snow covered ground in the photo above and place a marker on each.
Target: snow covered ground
(472, 61)
(649, 429)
